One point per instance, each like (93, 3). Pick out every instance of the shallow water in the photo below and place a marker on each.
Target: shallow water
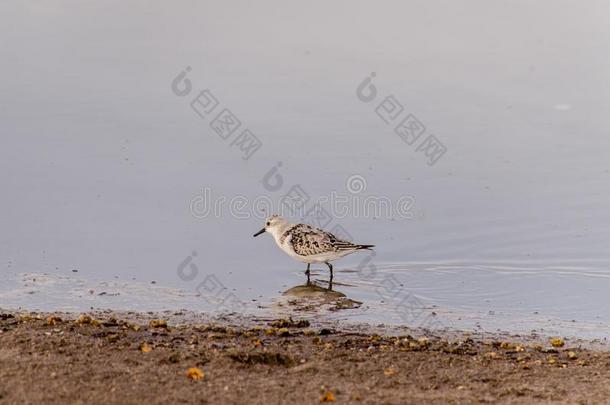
(104, 168)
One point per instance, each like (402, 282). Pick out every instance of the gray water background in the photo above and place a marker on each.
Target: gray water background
(100, 160)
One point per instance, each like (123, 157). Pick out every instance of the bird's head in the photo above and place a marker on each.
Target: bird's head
(274, 225)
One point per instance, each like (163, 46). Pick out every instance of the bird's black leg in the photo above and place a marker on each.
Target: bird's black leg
(330, 283)
(307, 272)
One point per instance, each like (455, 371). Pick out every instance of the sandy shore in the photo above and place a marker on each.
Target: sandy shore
(106, 358)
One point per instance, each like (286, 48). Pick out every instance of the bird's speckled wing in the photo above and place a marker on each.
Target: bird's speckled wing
(307, 241)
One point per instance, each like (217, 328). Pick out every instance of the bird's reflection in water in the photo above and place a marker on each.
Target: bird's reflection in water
(311, 296)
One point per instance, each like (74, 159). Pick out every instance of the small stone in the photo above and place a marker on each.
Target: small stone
(328, 397)
(390, 371)
(53, 320)
(158, 323)
(557, 342)
(195, 374)
(84, 319)
(145, 348)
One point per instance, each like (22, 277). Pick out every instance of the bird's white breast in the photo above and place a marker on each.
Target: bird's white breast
(286, 246)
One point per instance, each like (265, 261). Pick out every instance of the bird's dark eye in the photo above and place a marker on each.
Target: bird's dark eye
(268, 223)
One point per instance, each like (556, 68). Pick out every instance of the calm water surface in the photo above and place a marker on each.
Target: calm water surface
(103, 167)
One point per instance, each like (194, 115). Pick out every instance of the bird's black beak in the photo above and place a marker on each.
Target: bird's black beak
(259, 232)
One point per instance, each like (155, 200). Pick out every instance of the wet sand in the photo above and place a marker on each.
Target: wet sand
(138, 357)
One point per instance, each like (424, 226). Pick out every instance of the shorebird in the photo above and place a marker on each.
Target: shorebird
(309, 244)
